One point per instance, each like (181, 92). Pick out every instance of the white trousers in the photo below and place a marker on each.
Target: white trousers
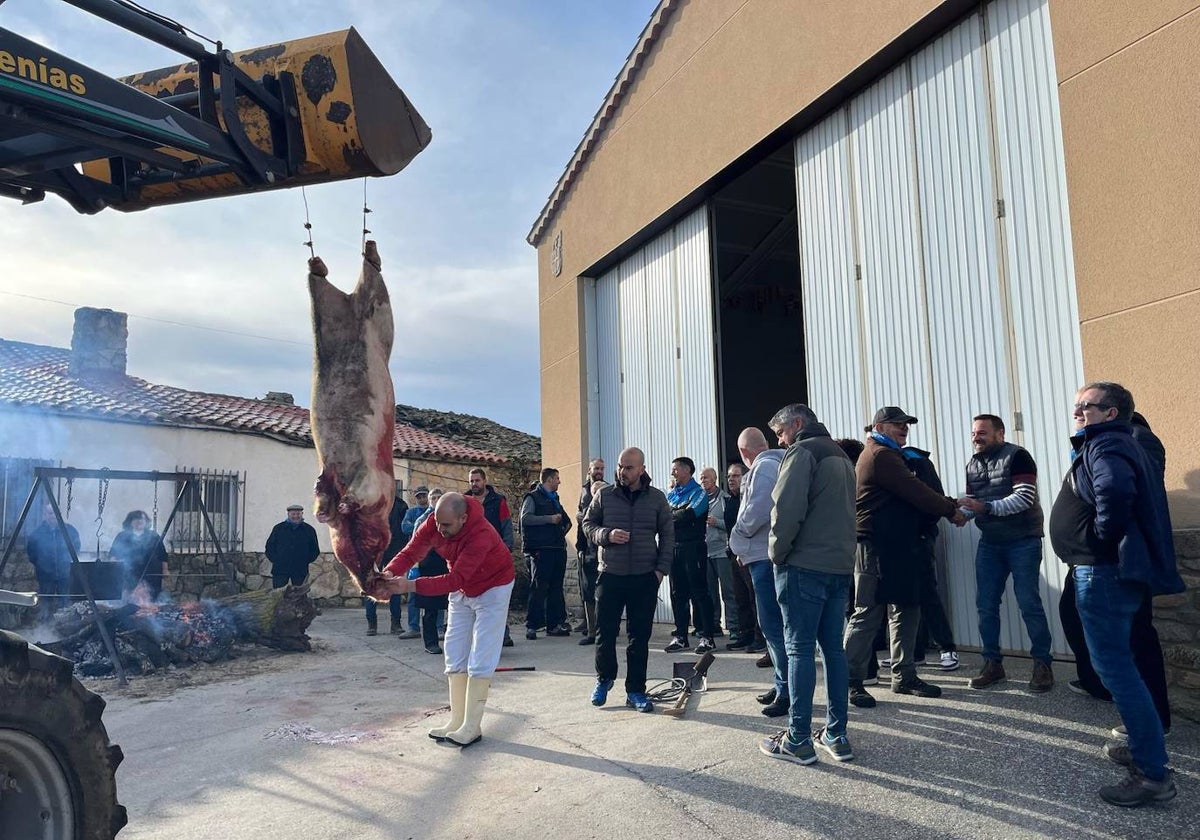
(475, 631)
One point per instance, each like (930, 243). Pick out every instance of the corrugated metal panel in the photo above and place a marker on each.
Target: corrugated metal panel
(635, 362)
(697, 368)
(896, 336)
(832, 335)
(663, 349)
(608, 363)
(967, 319)
(1036, 237)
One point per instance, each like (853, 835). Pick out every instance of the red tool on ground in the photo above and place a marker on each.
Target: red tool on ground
(694, 676)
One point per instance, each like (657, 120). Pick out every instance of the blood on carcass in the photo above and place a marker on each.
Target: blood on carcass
(353, 414)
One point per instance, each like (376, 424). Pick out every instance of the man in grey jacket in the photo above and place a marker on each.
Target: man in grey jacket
(631, 524)
(720, 568)
(748, 541)
(811, 546)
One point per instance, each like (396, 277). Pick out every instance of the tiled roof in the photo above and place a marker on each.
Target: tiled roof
(34, 377)
(612, 101)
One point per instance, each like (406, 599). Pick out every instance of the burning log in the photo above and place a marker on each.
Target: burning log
(152, 636)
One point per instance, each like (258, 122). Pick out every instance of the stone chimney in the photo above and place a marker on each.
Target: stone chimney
(279, 398)
(98, 343)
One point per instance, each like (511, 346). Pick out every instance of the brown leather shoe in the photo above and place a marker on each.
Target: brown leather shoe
(1043, 677)
(764, 661)
(992, 673)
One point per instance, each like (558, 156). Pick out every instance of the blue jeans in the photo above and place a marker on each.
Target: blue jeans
(1106, 606)
(770, 621)
(393, 605)
(994, 562)
(814, 608)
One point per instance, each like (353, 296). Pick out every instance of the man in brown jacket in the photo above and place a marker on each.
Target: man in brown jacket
(889, 505)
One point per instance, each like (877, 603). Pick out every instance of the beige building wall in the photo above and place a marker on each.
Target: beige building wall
(720, 78)
(723, 76)
(1131, 131)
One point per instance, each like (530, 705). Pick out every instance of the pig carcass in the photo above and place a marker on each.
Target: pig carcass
(353, 414)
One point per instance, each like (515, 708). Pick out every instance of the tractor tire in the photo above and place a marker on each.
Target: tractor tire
(57, 767)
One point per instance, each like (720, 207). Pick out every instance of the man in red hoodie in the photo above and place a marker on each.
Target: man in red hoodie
(479, 583)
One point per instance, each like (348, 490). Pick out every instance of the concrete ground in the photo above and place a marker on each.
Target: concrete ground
(332, 744)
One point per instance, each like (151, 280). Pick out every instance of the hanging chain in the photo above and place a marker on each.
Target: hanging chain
(155, 508)
(366, 210)
(102, 498)
(308, 224)
(70, 495)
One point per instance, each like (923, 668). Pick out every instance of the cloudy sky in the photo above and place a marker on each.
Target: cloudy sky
(216, 290)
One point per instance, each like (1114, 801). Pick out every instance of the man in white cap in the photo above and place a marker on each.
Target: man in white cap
(291, 547)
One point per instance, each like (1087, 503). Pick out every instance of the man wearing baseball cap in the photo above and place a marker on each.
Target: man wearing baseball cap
(890, 505)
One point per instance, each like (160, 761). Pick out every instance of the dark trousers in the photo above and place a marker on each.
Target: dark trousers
(394, 607)
(636, 596)
(279, 581)
(743, 596)
(588, 571)
(689, 589)
(52, 593)
(1147, 651)
(547, 606)
(934, 625)
(429, 627)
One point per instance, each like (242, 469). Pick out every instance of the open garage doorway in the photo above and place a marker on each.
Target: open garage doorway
(760, 320)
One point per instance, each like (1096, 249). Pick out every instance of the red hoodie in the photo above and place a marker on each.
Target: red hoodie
(478, 559)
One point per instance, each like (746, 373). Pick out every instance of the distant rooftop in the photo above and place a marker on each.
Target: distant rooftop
(35, 377)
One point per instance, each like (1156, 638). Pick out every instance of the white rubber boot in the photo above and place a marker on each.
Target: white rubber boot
(469, 732)
(458, 705)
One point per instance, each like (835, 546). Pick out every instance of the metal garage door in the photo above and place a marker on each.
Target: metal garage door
(936, 263)
(656, 382)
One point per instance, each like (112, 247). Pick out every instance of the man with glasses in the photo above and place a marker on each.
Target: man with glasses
(1002, 494)
(1110, 523)
(890, 505)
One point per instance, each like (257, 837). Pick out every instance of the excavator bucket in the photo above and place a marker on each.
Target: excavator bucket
(344, 118)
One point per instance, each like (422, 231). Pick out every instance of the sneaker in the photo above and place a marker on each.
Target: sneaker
(838, 746)
(1042, 679)
(435, 649)
(764, 661)
(639, 701)
(949, 660)
(531, 635)
(1135, 790)
(781, 745)
(756, 647)
(992, 673)
(600, 692)
(861, 698)
(588, 640)
(677, 644)
(766, 698)
(508, 642)
(372, 630)
(706, 644)
(1118, 753)
(738, 644)
(1077, 687)
(409, 634)
(560, 630)
(1121, 734)
(916, 687)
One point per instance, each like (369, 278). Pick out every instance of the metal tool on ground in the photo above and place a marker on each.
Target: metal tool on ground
(517, 668)
(691, 677)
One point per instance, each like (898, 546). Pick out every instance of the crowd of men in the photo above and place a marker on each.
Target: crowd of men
(849, 528)
(825, 548)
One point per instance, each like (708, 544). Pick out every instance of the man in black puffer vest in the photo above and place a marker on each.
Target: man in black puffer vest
(544, 524)
(1002, 494)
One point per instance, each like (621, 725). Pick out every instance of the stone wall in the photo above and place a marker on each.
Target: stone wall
(1177, 618)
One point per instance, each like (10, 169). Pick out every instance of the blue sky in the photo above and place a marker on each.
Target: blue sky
(508, 86)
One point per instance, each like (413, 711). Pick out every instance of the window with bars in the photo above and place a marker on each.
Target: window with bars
(16, 480)
(220, 493)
